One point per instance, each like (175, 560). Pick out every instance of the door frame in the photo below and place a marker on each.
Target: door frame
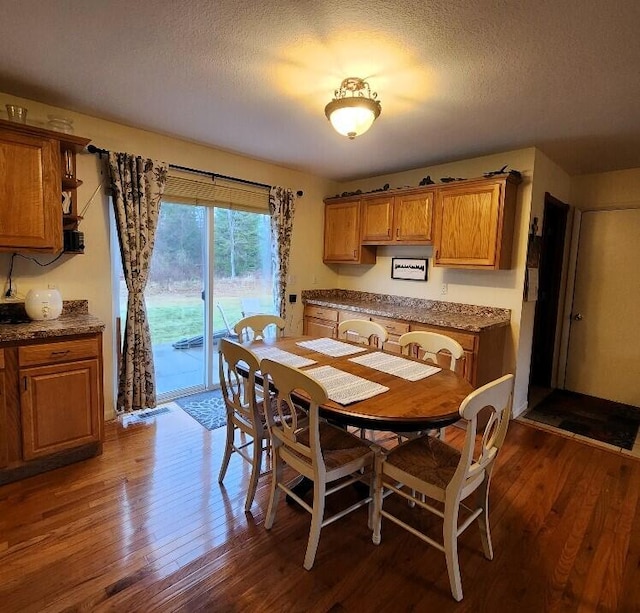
(572, 269)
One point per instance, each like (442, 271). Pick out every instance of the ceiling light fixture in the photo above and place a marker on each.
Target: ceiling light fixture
(353, 109)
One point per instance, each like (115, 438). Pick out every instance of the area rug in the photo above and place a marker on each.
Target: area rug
(602, 420)
(207, 408)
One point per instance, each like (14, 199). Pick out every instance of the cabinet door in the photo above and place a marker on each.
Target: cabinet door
(395, 329)
(342, 234)
(30, 194)
(412, 218)
(319, 327)
(468, 226)
(4, 442)
(377, 220)
(60, 407)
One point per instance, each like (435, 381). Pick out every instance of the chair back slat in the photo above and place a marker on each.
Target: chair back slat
(433, 345)
(365, 332)
(238, 389)
(256, 327)
(283, 420)
(496, 397)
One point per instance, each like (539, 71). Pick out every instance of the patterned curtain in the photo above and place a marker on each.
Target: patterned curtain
(281, 206)
(137, 186)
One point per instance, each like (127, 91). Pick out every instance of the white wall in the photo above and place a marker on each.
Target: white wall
(619, 189)
(88, 276)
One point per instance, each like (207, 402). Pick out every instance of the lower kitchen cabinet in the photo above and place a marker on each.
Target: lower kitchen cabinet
(54, 411)
(483, 350)
(4, 443)
(320, 321)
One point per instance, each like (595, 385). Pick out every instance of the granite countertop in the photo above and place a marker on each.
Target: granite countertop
(75, 319)
(454, 315)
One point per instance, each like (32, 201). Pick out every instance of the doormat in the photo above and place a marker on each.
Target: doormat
(207, 408)
(602, 420)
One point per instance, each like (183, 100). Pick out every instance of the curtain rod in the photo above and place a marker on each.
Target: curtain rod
(213, 175)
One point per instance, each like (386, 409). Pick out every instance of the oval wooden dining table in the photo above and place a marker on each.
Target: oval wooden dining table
(407, 406)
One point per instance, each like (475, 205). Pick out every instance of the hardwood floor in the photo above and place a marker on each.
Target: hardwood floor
(146, 527)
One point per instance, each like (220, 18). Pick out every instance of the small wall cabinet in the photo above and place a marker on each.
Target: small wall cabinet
(342, 239)
(474, 223)
(405, 219)
(38, 187)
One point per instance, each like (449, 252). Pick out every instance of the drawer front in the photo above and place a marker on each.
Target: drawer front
(1, 359)
(347, 315)
(319, 327)
(63, 351)
(392, 326)
(321, 312)
(467, 340)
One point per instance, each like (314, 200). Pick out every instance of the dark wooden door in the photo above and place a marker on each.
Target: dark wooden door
(554, 227)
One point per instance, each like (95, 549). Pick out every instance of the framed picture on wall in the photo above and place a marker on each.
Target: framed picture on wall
(409, 269)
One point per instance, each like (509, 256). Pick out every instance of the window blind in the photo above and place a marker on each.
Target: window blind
(206, 191)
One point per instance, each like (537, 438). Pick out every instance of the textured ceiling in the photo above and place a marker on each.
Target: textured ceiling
(456, 79)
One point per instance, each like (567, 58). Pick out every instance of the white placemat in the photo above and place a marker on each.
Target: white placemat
(395, 365)
(331, 347)
(343, 387)
(283, 357)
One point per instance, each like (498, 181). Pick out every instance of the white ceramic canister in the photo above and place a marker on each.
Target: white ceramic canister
(43, 304)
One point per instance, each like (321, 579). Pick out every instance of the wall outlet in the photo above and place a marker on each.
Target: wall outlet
(293, 298)
(444, 289)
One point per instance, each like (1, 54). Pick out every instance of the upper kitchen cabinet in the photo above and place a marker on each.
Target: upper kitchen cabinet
(37, 187)
(398, 219)
(342, 237)
(474, 223)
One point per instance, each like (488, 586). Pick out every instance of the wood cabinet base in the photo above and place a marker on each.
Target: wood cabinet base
(41, 465)
(483, 351)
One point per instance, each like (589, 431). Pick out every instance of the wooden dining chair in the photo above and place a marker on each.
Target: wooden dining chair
(427, 467)
(256, 327)
(316, 450)
(245, 411)
(363, 331)
(436, 348)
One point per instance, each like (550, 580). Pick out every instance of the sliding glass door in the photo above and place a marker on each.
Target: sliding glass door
(175, 299)
(242, 283)
(210, 267)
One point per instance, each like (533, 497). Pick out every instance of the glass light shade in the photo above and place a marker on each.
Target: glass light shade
(352, 116)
